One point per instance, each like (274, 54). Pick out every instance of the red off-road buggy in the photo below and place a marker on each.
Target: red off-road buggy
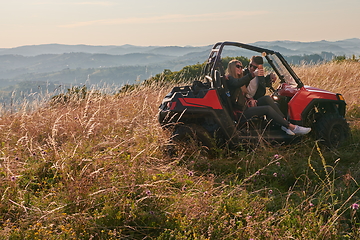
(204, 111)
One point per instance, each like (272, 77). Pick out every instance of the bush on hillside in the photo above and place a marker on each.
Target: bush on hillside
(189, 73)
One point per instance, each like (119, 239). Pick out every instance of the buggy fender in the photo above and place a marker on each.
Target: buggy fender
(183, 107)
(306, 98)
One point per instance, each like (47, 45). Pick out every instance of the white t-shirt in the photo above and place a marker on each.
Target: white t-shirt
(252, 87)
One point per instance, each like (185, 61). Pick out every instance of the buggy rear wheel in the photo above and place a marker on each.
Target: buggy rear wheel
(185, 132)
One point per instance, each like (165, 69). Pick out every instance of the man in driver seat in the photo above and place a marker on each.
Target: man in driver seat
(257, 86)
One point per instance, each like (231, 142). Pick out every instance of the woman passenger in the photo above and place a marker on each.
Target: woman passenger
(236, 80)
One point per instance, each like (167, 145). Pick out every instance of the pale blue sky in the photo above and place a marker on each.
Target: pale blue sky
(168, 23)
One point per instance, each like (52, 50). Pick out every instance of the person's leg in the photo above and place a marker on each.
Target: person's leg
(267, 100)
(289, 128)
(268, 111)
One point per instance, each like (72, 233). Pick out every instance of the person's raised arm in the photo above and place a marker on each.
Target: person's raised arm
(239, 82)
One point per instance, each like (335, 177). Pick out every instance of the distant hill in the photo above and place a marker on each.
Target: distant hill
(74, 64)
(34, 50)
(12, 66)
(343, 47)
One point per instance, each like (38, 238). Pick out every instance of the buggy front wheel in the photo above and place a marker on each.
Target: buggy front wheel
(332, 130)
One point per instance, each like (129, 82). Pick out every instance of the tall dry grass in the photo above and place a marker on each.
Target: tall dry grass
(338, 77)
(95, 167)
(55, 156)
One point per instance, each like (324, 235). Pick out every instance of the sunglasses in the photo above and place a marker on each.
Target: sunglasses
(239, 66)
(255, 67)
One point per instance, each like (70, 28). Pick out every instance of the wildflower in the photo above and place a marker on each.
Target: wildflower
(257, 173)
(355, 206)
(205, 193)
(183, 188)
(275, 174)
(276, 156)
(270, 191)
(148, 192)
(190, 173)
(13, 178)
(311, 204)
(278, 164)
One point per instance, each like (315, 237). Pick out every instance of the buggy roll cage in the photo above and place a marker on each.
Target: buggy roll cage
(213, 65)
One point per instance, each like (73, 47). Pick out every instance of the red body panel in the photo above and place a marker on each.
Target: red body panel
(211, 100)
(303, 96)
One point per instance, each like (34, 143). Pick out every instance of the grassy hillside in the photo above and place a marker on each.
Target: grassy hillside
(97, 168)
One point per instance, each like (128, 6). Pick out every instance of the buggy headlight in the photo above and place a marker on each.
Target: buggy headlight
(340, 97)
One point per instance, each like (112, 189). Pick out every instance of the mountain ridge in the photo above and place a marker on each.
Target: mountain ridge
(127, 64)
(340, 47)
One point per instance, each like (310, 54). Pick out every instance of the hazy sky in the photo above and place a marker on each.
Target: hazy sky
(182, 22)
